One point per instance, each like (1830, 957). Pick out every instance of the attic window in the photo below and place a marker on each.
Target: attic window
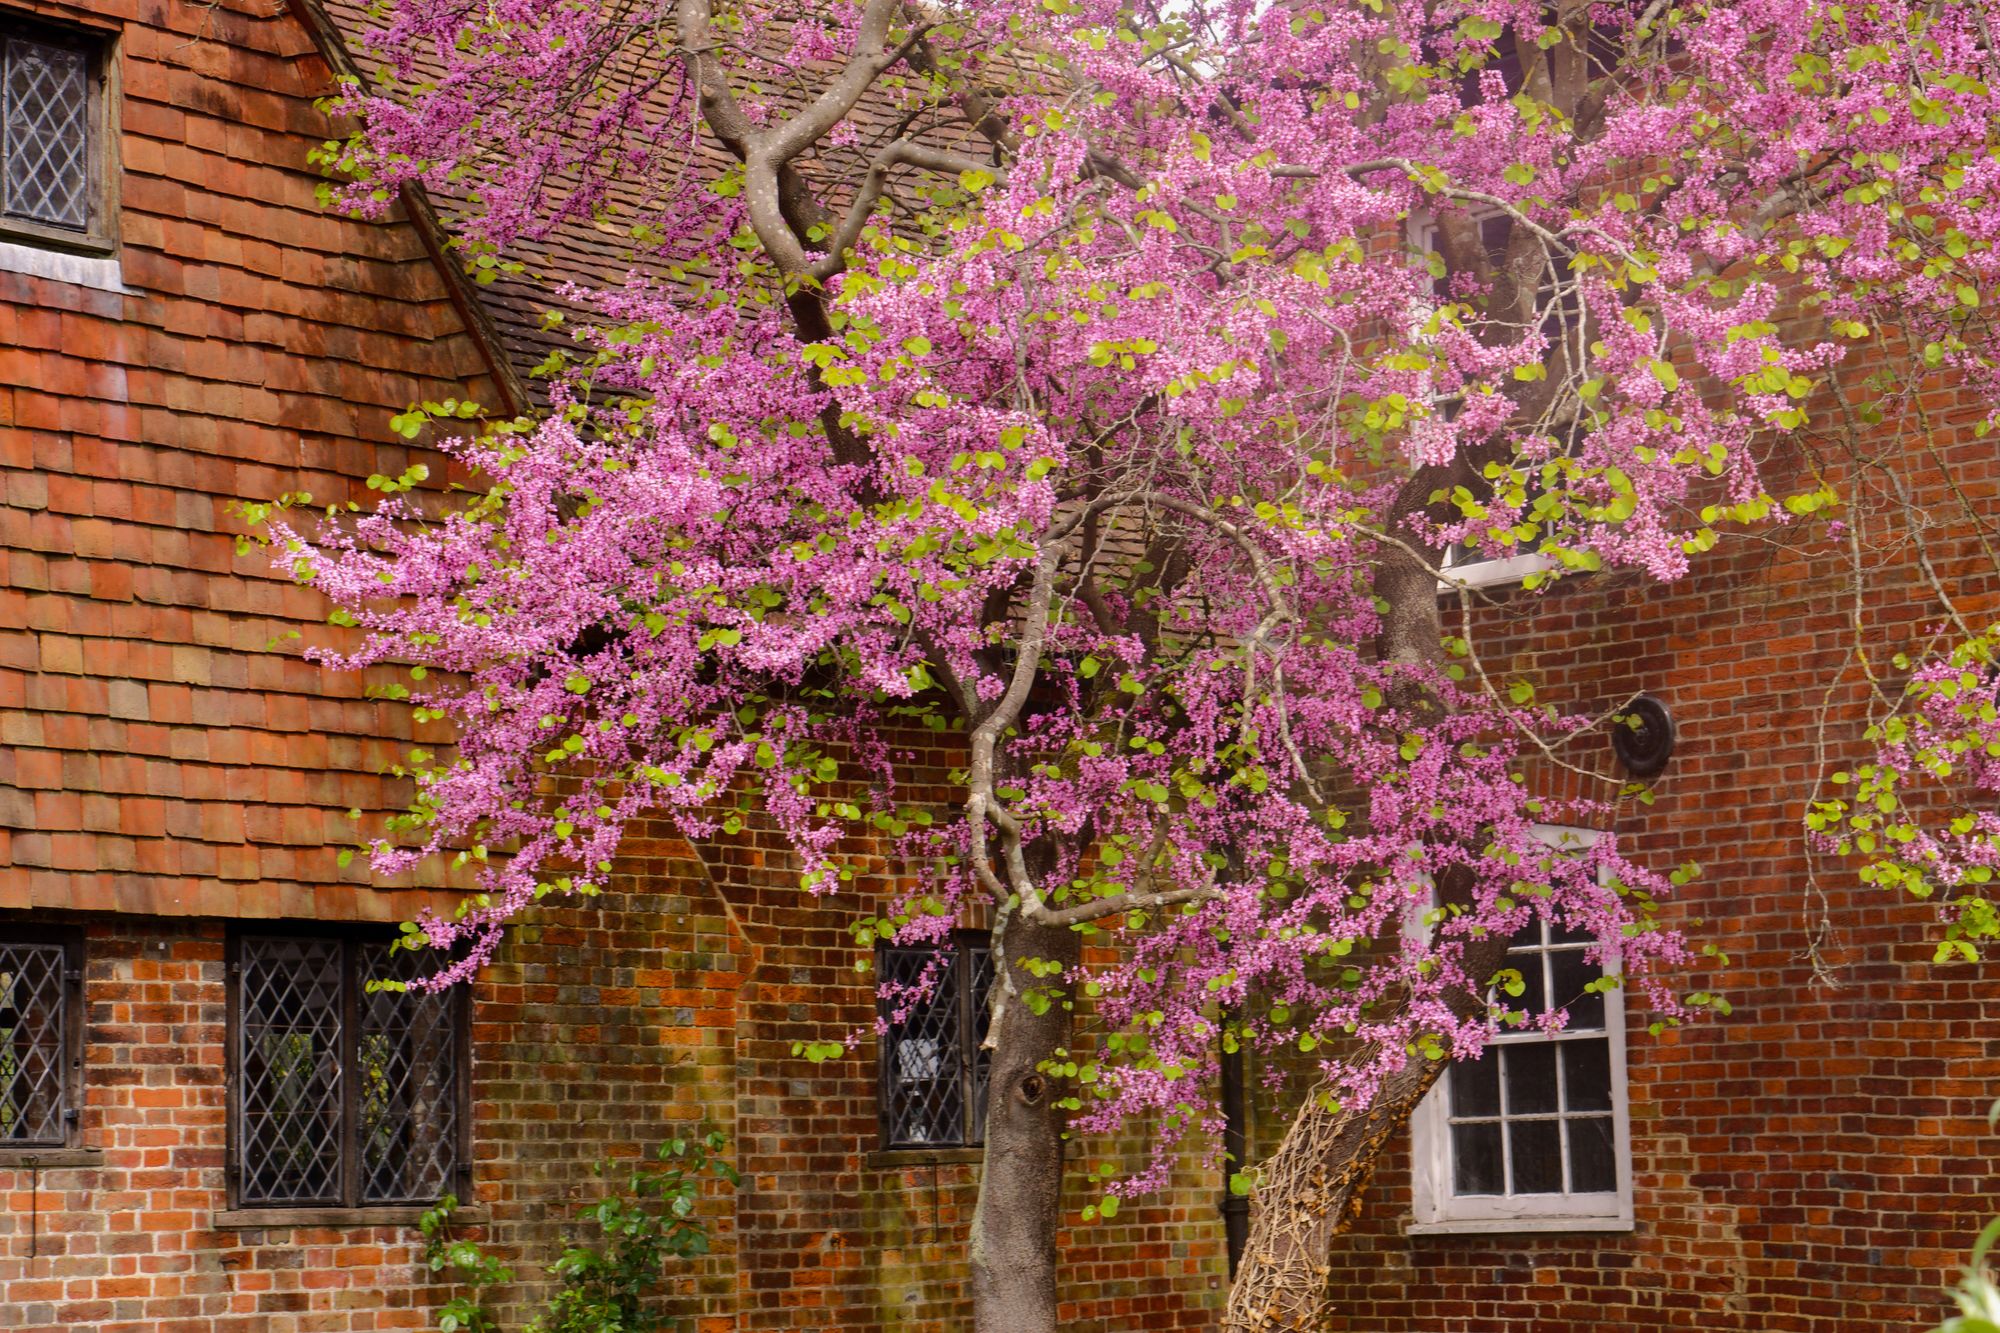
(55, 171)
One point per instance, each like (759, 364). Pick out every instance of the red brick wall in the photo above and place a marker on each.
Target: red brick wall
(1820, 1160)
(823, 1234)
(127, 1245)
(666, 1008)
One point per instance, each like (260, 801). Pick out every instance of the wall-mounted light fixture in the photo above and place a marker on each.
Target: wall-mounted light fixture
(1642, 736)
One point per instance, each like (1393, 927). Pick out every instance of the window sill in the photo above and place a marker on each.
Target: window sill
(47, 1159)
(1497, 573)
(892, 1159)
(278, 1219)
(1518, 1226)
(100, 272)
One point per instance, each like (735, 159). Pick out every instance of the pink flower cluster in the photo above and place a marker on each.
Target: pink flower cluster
(1172, 358)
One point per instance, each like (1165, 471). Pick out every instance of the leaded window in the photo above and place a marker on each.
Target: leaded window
(54, 134)
(343, 1093)
(934, 1068)
(40, 1039)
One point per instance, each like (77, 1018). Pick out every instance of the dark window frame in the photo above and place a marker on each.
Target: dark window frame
(70, 940)
(974, 1064)
(352, 998)
(99, 45)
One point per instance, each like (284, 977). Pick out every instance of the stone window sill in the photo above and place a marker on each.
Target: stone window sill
(893, 1159)
(48, 1159)
(279, 1219)
(1518, 1226)
(99, 271)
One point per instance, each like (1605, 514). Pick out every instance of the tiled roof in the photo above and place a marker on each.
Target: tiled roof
(597, 255)
(163, 745)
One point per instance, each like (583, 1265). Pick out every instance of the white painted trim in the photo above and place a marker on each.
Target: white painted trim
(1437, 1211)
(1517, 1226)
(1488, 573)
(100, 272)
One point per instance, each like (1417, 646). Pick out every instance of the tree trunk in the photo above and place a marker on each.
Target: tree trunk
(1020, 1190)
(1310, 1191)
(1311, 1188)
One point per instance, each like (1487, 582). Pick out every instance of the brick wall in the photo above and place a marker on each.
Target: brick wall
(1820, 1160)
(127, 1245)
(668, 1007)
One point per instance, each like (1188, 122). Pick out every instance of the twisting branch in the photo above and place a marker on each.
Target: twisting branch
(903, 152)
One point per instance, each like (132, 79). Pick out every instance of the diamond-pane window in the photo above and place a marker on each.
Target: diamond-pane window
(934, 1070)
(38, 1037)
(343, 1095)
(407, 1064)
(45, 111)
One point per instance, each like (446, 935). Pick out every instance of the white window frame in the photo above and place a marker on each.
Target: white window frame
(1493, 570)
(1438, 1211)
(1487, 571)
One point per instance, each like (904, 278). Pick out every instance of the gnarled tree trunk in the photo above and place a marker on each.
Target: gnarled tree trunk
(1310, 1190)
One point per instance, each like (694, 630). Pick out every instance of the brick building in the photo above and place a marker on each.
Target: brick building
(181, 327)
(1819, 1159)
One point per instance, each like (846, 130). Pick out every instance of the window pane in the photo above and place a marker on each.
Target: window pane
(45, 107)
(1534, 998)
(407, 1064)
(1571, 972)
(1593, 1166)
(1531, 1078)
(981, 965)
(923, 1095)
(1537, 1156)
(288, 1062)
(1475, 1086)
(1587, 1075)
(33, 1060)
(1569, 935)
(1475, 1159)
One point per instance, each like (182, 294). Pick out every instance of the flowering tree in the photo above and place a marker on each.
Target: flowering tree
(1104, 382)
